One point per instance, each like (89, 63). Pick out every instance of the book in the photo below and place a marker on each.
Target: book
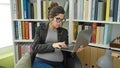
(98, 34)
(96, 10)
(94, 28)
(75, 26)
(111, 10)
(25, 8)
(101, 11)
(39, 9)
(118, 18)
(80, 11)
(107, 33)
(35, 9)
(16, 30)
(18, 7)
(66, 8)
(102, 34)
(34, 25)
(19, 30)
(26, 30)
(23, 30)
(14, 9)
(107, 10)
(115, 8)
(30, 30)
(86, 2)
(89, 9)
(92, 9)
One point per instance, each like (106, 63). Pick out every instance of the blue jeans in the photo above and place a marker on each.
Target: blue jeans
(39, 64)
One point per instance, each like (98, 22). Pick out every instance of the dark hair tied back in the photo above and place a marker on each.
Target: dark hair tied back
(54, 9)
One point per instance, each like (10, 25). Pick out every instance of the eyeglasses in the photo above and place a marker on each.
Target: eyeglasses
(58, 20)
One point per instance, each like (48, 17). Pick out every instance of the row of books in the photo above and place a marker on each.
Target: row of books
(101, 10)
(101, 32)
(33, 9)
(24, 48)
(25, 30)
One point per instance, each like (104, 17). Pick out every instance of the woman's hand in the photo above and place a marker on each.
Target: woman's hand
(80, 48)
(59, 45)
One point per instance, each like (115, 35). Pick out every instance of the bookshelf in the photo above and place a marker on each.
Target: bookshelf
(82, 13)
(26, 16)
(103, 16)
(100, 12)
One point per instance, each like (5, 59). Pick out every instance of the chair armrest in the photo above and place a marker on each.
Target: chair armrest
(24, 62)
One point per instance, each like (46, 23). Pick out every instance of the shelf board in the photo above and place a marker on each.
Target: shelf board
(103, 46)
(33, 19)
(117, 49)
(23, 40)
(104, 22)
(30, 19)
(99, 45)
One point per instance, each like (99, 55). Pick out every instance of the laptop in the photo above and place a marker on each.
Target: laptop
(83, 38)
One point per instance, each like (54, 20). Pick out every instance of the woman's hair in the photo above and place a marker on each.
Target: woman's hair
(54, 9)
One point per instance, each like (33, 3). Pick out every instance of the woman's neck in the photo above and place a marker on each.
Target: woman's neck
(51, 26)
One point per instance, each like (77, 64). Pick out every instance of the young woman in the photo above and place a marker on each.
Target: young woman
(49, 38)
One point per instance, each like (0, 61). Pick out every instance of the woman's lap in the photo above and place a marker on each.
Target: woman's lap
(39, 64)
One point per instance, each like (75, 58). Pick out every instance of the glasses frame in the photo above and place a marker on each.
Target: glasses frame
(58, 20)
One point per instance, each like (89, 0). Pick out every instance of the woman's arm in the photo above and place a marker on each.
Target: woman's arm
(39, 46)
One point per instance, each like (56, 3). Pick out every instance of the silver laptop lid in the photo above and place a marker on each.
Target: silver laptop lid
(83, 38)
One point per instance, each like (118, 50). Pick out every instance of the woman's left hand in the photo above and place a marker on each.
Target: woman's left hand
(80, 48)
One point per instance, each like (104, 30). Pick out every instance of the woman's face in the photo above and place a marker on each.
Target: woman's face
(58, 20)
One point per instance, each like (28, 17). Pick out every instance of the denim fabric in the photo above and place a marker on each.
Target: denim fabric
(39, 64)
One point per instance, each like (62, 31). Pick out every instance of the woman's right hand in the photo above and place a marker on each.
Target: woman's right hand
(59, 45)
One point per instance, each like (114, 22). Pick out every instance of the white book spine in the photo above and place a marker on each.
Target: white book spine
(100, 11)
(92, 9)
(19, 30)
(89, 9)
(22, 9)
(84, 9)
(30, 30)
(14, 9)
(80, 9)
(39, 9)
(101, 35)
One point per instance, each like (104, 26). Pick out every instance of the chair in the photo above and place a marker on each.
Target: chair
(24, 62)
(71, 62)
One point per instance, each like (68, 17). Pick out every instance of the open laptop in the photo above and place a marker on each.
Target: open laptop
(83, 38)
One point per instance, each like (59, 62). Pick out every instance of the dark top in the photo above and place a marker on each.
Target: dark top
(39, 45)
